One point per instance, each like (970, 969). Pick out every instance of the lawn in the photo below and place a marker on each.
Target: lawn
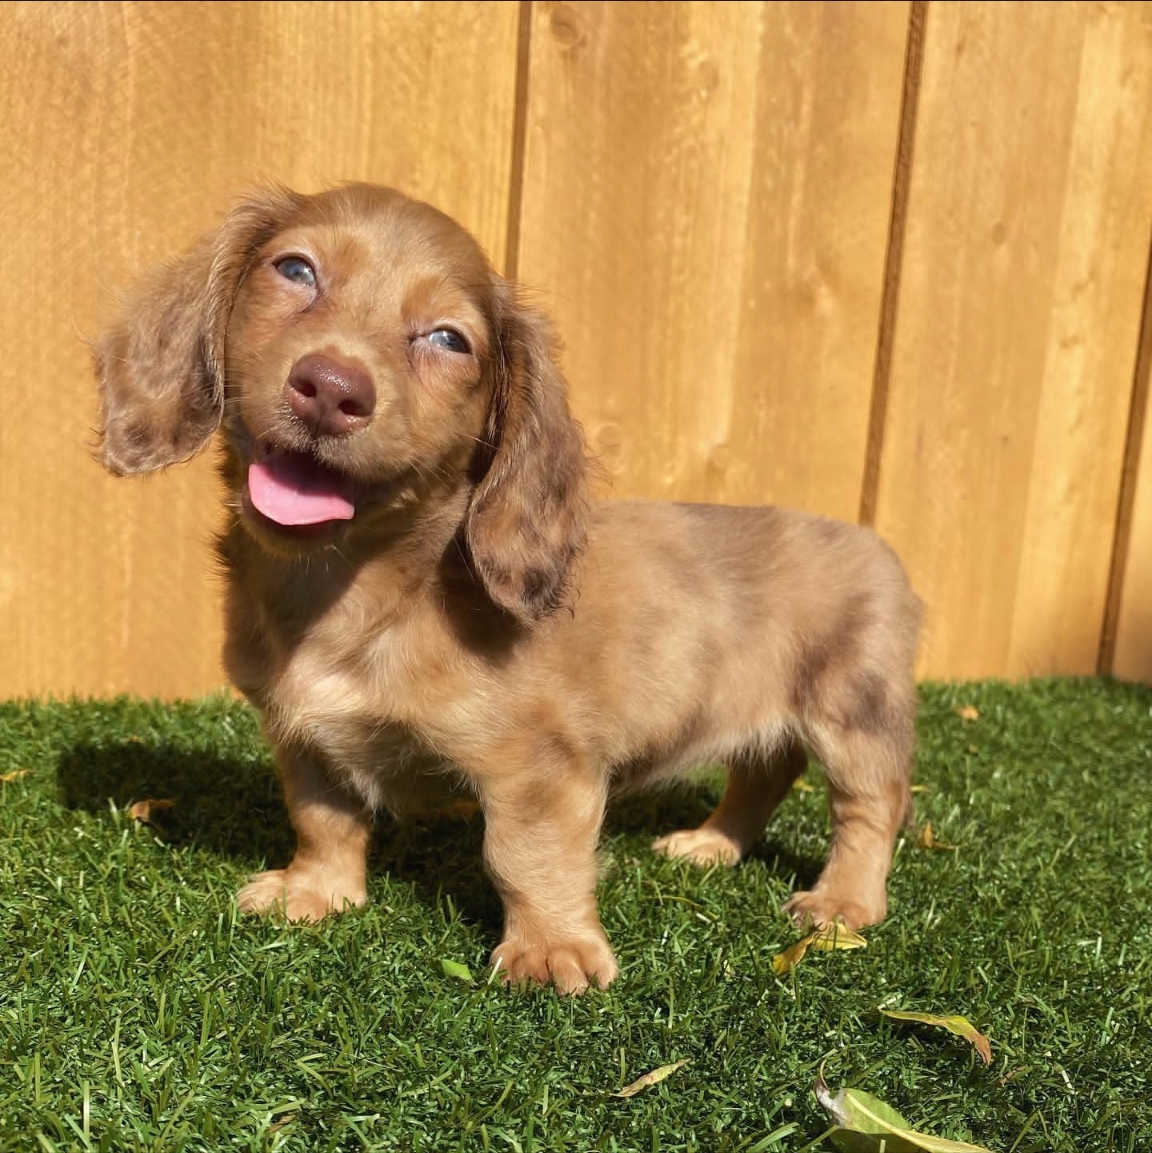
(138, 1012)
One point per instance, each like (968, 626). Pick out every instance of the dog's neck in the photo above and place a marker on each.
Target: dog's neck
(399, 559)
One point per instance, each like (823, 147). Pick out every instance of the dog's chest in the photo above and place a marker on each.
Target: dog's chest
(349, 711)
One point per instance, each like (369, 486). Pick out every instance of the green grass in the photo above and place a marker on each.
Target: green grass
(137, 1012)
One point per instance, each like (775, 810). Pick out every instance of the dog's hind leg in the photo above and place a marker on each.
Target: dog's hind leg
(756, 785)
(869, 797)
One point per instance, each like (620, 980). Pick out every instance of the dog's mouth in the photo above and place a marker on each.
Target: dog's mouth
(295, 491)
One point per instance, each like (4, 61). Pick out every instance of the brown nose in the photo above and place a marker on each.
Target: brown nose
(331, 398)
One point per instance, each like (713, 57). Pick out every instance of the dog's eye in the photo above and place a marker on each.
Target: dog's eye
(448, 339)
(297, 270)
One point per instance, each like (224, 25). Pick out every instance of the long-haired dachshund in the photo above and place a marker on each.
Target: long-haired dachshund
(423, 600)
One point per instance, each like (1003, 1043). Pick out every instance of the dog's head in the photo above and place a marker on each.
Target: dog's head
(370, 371)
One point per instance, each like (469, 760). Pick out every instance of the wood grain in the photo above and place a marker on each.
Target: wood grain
(129, 128)
(1028, 222)
(706, 204)
(701, 194)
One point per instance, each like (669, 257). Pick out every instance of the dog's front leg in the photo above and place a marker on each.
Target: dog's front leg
(541, 828)
(333, 827)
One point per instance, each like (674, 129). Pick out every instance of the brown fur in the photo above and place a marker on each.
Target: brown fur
(480, 625)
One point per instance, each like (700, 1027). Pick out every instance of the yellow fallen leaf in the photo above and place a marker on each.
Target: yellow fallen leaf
(865, 1124)
(927, 840)
(920, 789)
(653, 1078)
(824, 939)
(15, 775)
(961, 1026)
(145, 811)
(836, 936)
(784, 963)
(802, 786)
(968, 713)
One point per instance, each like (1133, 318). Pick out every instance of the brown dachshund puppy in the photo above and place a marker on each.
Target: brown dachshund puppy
(423, 601)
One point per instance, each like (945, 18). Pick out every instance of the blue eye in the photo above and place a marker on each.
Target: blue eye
(448, 339)
(297, 270)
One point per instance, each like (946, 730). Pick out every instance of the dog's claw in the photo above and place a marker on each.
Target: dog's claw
(297, 896)
(701, 846)
(571, 966)
(815, 908)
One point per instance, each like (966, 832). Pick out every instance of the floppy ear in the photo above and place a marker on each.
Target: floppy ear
(526, 522)
(160, 369)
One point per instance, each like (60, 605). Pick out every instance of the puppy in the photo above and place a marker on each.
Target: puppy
(423, 601)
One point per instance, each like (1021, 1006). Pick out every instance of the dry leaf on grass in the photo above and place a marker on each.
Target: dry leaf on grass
(919, 788)
(865, 1124)
(968, 713)
(653, 1078)
(803, 786)
(825, 939)
(455, 969)
(145, 811)
(15, 775)
(961, 1026)
(927, 840)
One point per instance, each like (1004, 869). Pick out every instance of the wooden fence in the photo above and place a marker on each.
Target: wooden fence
(884, 261)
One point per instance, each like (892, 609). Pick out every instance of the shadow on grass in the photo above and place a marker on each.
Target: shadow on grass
(685, 804)
(233, 808)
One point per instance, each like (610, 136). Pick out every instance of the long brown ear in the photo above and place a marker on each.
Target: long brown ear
(526, 523)
(160, 368)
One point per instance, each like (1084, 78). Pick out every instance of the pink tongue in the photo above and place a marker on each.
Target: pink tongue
(293, 489)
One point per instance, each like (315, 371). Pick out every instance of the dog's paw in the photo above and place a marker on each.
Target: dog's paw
(569, 965)
(815, 908)
(701, 846)
(296, 896)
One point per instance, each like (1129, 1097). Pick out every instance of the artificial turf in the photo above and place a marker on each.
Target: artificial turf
(139, 1012)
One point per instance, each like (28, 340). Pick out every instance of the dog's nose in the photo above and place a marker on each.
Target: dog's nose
(331, 398)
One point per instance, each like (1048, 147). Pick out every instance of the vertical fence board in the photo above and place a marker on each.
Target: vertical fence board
(706, 201)
(1133, 659)
(129, 128)
(1128, 652)
(1028, 222)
